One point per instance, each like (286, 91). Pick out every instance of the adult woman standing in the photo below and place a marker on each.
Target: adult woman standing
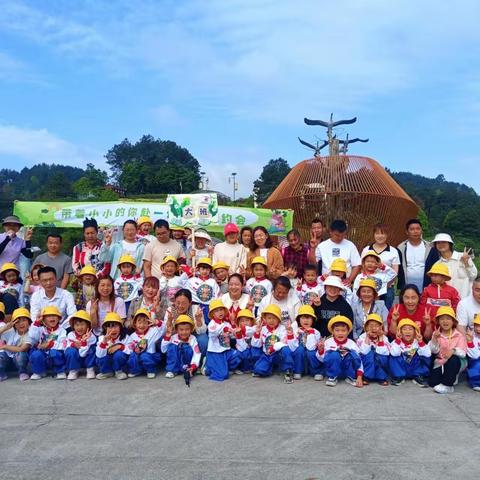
(410, 307)
(262, 246)
(235, 300)
(111, 252)
(86, 252)
(460, 264)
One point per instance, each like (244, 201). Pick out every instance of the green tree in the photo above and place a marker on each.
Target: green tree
(153, 166)
(272, 174)
(92, 184)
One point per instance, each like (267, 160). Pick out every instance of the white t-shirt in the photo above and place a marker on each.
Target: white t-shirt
(233, 254)
(328, 251)
(389, 256)
(466, 311)
(129, 248)
(415, 261)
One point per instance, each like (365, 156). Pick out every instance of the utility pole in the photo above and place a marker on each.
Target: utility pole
(233, 179)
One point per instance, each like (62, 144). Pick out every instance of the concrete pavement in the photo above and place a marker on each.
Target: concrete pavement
(245, 428)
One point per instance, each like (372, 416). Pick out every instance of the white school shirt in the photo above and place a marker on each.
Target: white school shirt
(72, 337)
(145, 340)
(192, 341)
(331, 345)
(203, 290)
(40, 334)
(473, 349)
(13, 338)
(103, 309)
(218, 336)
(289, 306)
(415, 264)
(272, 340)
(382, 348)
(102, 346)
(307, 292)
(128, 287)
(170, 286)
(244, 340)
(14, 289)
(399, 348)
(382, 277)
(258, 289)
(308, 337)
(328, 251)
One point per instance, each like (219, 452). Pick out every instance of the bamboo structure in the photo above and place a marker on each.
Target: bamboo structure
(353, 188)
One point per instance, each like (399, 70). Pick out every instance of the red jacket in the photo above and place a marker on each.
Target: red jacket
(435, 296)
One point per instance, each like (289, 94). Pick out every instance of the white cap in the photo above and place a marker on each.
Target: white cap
(443, 237)
(334, 281)
(201, 234)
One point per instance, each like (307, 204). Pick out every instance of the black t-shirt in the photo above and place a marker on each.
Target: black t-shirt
(328, 310)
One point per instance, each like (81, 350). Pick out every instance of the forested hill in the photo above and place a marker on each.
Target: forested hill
(449, 206)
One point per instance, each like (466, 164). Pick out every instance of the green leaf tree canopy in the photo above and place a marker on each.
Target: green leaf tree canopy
(272, 174)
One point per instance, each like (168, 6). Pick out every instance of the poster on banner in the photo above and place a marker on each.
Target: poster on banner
(198, 209)
(114, 214)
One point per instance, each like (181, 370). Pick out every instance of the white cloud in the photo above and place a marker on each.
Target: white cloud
(39, 145)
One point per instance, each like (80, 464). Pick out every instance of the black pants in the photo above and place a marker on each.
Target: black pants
(446, 374)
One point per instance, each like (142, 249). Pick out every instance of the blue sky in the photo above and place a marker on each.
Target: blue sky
(232, 80)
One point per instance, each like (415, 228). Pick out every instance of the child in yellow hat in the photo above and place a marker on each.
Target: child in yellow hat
(449, 347)
(84, 287)
(410, 356)
(276, 341)
(220, 273)
(128, 284)
(372, 267)
(338, 268)
(171, 279)
(305, 345)
(80, 350)
(143, 356)
(439, 293)
(309, 287)
(112, 348)
(473, 354)
(15, 343)
(259, 285)
(243, 335)
(221, 358)
(340, 354)
(145, 226)
(10, 282)
(181, 348)
(49, 340)
(374, 350)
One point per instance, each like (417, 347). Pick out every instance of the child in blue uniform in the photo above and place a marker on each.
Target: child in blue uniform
(243, 335)
(473, 354)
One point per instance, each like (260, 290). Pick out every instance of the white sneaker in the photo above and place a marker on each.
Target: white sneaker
(476, 389)
(133, 375)
(318, 377)
(331, 381)
(61, 376)
(90, 373)
(103, 376)
(297, 376)
(151, 375)
(120, 375)
(169, 375)
(440, 388)
(351, 381)
(72, 375)
(238, 372)
(36, 376)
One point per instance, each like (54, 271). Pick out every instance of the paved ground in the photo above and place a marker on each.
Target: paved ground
(245, 428)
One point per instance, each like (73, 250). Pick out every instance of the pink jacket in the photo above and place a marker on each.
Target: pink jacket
(444, 343)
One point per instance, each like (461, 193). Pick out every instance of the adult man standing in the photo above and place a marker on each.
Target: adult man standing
(316, 237)
(54, 257)
(414, 256)
(11, 246)
(337, 246)
(51, 295)
(158, 249)
(469, 306)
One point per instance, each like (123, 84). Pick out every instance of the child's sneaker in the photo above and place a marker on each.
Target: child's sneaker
(288, 377)
(331, 381)
(133, 375)
(61, 376)
(24, 377)
(151, 375)
(103, 376)
(297, 376)
(476, 389)
(255, 374)
(397, 381)
(36, 376)
(90, 373)
(420, 381)
(3, 378)
(351, 381)
(72, 375)
(120, 375)
(169, 375)
(318, 377)
(238, 372)
(440, 388)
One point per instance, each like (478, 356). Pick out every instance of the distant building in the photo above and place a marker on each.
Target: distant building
(121, 192)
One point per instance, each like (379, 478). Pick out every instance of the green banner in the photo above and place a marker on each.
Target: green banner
(112, 214)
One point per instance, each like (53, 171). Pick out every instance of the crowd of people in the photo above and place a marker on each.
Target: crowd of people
(164, 297)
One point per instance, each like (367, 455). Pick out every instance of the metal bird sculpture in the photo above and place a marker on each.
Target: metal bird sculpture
(347, 142)
(316, 148)
(331, 124)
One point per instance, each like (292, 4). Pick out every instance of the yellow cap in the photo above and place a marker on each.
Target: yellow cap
(259, 260)
(2, 308)
(476, 319)
(184, 319)
(245, 313)
(220, 265)
(367, 282)
(306, 310)
(406, 321)
(372, 253)
(205, 261)
(214, 304)
(51, 310)
(21, 312)
(142, 311)
(176, 228)
(374, 317)
(446, 311)
(9, 266)
(338, 265)
(113, 317)
(167, 259)
(440, 269)
(143, 220)
(127, 259)
(88, 270)
(339, 319)
(82, 315)
(274, 310)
